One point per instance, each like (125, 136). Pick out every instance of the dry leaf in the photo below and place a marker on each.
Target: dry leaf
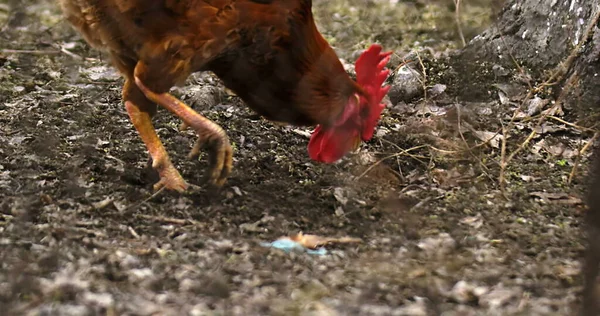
(315, 241)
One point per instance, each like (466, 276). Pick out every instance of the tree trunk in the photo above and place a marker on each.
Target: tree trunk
(591, 303)
(528, 43)
(552, 48)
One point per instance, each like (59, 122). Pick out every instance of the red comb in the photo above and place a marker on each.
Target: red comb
(370, 75)
(359, 118)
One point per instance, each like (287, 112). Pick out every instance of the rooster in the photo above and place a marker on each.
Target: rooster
(269, 52)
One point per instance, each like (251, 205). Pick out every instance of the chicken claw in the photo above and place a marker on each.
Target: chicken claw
(220, 158)
(169, 176)
(210, 135)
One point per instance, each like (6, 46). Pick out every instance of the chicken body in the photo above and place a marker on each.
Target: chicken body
(268, 52)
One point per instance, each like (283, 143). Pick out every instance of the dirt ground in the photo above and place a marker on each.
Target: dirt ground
(81, 233)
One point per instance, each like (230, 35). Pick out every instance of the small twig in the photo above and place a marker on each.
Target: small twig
(68, 53)
(580, 154)
(402, 178)
(41, 52)
(542, 118)
(133, 232)
(443, 151)
(399, 172)
(30, 51)
(6, 217)
(170, 220)
(416, 157)
(87, 231)
(404, 152)
(424, 79)
(575, 126)
(502, 160)
(11, 133)
(134, 206)
(469, 149)
(419, 158)
(402, 64)
(422, 202)
(458, 22)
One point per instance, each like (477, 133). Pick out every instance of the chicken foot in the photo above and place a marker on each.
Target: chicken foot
(169, 176)
(210, 135)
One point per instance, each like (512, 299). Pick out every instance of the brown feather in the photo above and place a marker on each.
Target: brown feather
(269, 53)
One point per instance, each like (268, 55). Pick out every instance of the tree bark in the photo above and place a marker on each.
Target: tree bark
(528, 43)
(552, 48)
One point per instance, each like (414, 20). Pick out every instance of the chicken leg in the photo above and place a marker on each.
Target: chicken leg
(209, 133)
(169, 176)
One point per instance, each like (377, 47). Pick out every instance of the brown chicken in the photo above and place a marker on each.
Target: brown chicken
(269, 52)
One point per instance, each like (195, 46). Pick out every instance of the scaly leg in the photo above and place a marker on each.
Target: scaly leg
(209, 133)
(140, 111)
(169, 176)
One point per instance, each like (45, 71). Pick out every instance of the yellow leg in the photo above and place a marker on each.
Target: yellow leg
(209, 133)
(140, 111)
(169, 176)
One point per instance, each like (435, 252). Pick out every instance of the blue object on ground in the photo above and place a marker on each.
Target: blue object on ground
(289, 245)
